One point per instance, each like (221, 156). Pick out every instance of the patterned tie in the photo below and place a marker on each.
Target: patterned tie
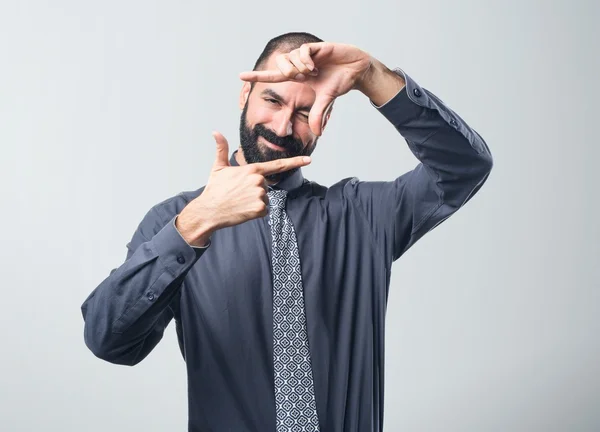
(294, 390)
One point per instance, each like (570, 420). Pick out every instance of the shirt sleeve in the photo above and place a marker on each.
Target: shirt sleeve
(126, 314)
(454, 162)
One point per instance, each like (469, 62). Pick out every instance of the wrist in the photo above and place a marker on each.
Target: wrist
(195, 230)
(379, 83)
(364, 82)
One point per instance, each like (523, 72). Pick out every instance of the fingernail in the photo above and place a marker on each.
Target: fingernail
(314, 72)
(300, 77)
(306, 159)
(310, 67)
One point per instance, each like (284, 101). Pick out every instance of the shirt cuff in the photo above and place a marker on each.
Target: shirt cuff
(407, 104)
(195, 247)
(173, 251)
(400, 72)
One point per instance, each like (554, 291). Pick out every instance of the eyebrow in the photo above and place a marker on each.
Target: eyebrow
(273, 94)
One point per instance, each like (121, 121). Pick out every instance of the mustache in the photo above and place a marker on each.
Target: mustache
(289, 143)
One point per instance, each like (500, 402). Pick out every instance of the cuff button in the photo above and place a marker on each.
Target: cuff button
(180, 259)
(417, 92)
(150, 295)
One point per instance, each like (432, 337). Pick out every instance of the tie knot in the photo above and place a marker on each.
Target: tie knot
(277, 198)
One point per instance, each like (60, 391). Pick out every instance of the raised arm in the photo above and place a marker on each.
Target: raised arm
(454, 159)
(454, 162)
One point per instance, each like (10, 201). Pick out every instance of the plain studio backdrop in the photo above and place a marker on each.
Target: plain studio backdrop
(107, 108)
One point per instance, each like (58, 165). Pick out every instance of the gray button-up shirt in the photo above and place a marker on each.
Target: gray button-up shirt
(220, 296)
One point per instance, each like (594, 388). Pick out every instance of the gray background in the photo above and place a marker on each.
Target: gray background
(106, 108)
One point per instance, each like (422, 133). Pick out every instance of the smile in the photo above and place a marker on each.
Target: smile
(270, 144)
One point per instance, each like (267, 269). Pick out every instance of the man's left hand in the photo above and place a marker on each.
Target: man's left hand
(331, 69)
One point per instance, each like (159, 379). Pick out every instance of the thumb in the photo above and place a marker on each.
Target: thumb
(317, 113)
(222, 158)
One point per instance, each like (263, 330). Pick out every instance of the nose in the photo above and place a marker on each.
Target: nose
(282, 123)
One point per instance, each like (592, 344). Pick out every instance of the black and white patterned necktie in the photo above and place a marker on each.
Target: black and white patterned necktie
(295, 404)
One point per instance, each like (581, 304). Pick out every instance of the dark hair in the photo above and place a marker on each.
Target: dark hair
(285, 42)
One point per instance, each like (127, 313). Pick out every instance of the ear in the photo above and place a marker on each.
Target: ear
(244, 94)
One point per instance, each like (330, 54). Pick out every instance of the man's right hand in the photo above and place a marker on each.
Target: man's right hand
(232, 195)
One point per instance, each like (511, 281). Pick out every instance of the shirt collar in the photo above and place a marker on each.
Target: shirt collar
(292, 182)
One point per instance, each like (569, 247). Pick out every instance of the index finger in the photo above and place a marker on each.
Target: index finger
(280, 165)
(273, 76)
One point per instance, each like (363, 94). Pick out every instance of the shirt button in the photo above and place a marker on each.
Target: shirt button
(453, 122)
(180, 259)
(417, 92)
(150, 295)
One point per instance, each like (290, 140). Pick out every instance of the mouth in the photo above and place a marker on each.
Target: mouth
(270, 144)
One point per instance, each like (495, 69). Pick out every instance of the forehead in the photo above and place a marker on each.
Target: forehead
(271, 60)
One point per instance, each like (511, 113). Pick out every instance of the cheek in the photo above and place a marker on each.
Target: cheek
(260, 114)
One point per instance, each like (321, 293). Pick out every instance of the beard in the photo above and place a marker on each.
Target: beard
(255, 152)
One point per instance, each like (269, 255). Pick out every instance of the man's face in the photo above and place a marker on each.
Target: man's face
(274, 122)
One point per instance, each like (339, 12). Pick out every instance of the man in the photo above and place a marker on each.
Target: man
(278, 285)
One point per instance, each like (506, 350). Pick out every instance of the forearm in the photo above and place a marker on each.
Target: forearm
(454, 154)
(454, 164)
(126, 314)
